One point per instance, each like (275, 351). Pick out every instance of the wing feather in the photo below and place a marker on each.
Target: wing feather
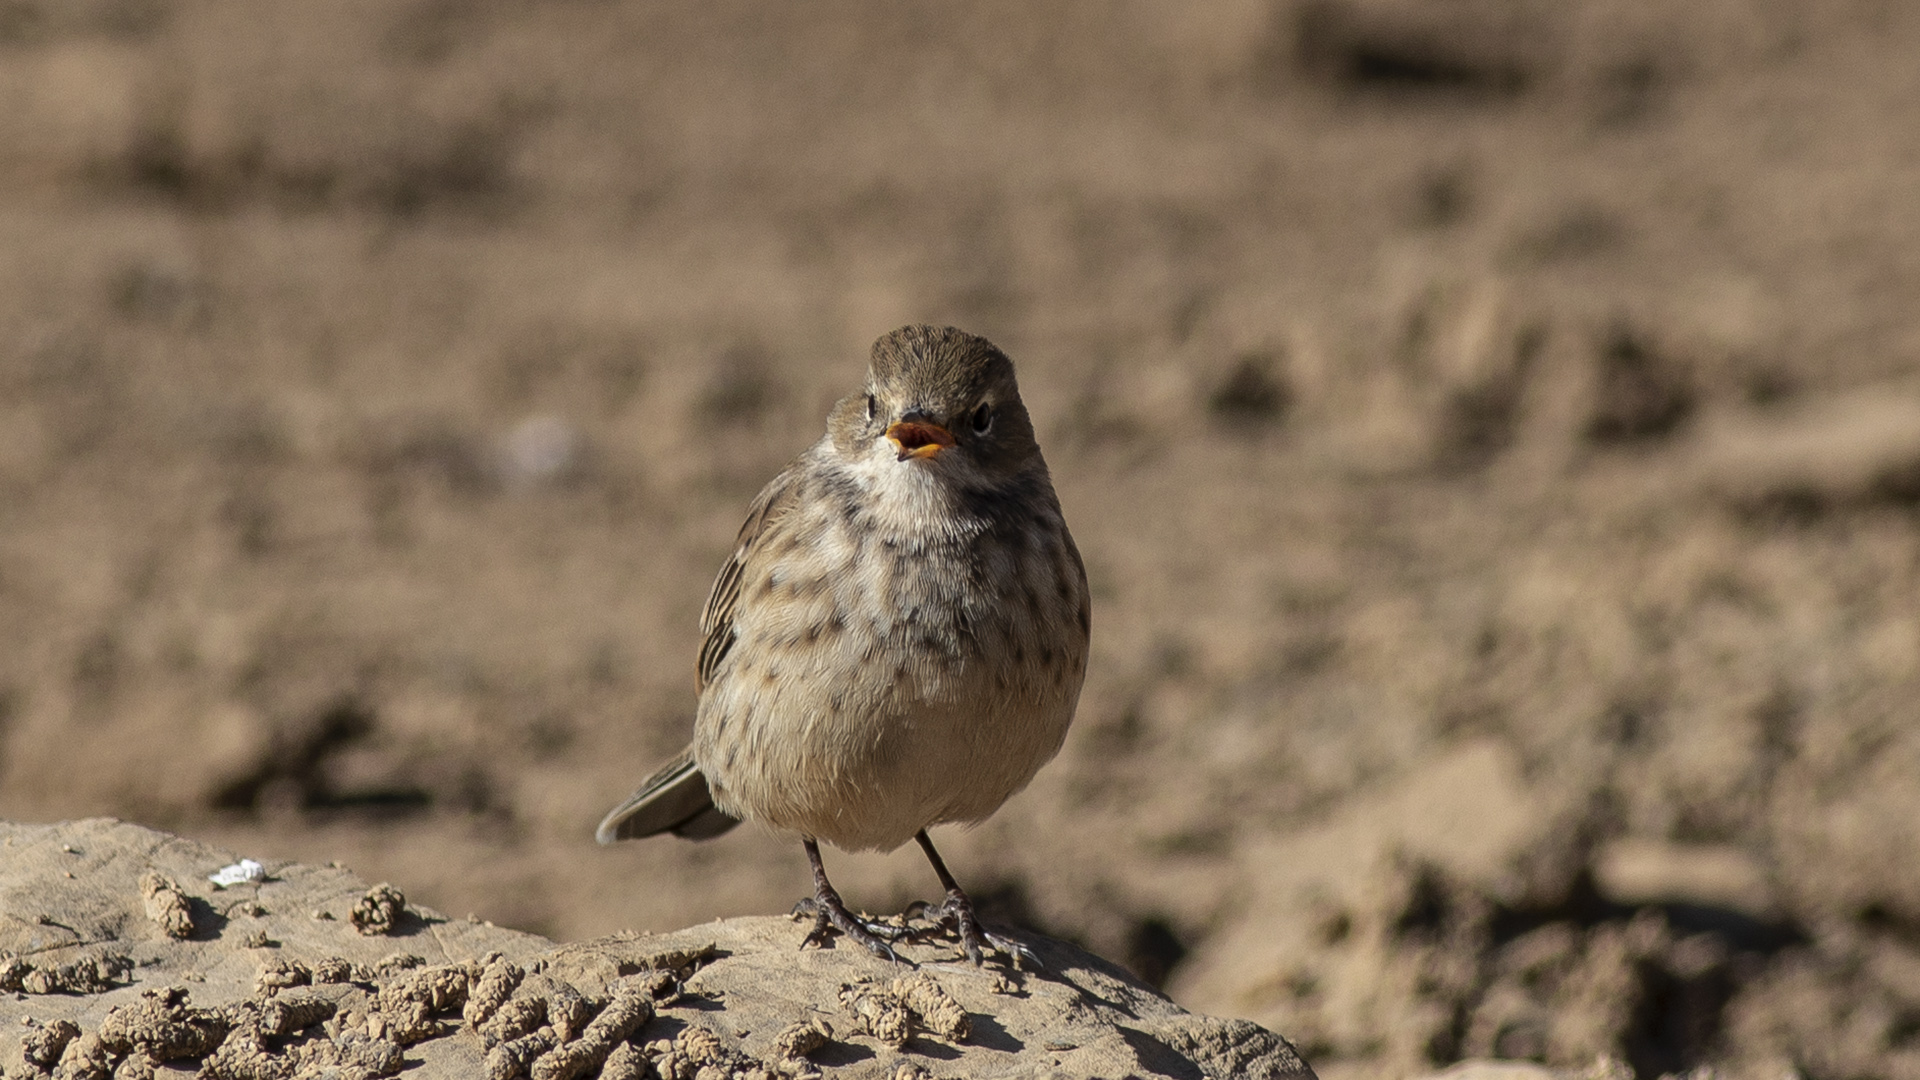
(676, 799)
(774, 502)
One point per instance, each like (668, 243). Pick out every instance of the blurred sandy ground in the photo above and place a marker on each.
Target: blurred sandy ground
(1491, 429)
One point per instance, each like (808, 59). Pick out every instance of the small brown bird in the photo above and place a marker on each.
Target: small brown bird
(899, 638)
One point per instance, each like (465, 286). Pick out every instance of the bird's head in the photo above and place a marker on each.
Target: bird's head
(938, 397)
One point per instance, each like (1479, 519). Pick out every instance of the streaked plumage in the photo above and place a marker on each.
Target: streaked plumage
(899, 637)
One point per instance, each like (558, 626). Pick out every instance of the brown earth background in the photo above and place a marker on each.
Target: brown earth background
(1493, 431)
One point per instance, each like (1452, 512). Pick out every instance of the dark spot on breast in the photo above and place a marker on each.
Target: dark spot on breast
(1046, 656)
(1019, 653)
(840, 485)
(1004, 503)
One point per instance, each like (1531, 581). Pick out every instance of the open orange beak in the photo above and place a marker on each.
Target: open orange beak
(919, 440)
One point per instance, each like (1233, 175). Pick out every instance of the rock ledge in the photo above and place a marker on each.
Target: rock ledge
(118, 957)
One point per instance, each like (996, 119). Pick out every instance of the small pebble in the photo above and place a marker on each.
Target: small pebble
(166, 905)
(802, 1037)
(377, 912)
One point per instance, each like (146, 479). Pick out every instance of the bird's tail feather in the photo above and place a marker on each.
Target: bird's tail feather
(675, 799)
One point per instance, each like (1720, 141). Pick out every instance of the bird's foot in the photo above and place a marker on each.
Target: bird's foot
(976, 940)
(830, 914)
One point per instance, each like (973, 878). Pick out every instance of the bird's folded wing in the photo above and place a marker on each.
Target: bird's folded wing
(674, 800)
(773, 503)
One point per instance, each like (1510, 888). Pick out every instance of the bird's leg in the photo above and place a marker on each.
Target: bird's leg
(959, 910)
(828, 909)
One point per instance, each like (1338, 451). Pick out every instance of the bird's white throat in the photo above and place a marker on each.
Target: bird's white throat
(915, 497)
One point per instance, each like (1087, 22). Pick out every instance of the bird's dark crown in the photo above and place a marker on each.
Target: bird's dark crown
(943, 370)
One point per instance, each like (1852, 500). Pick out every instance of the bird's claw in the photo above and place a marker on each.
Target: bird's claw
(830, 915)
(977, 940)
(1024, 959)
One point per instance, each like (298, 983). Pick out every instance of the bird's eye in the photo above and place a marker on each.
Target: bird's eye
(983, 420)
(872, 408)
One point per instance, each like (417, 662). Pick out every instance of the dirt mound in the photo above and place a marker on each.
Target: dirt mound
(1490, 428)
(305, 972)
